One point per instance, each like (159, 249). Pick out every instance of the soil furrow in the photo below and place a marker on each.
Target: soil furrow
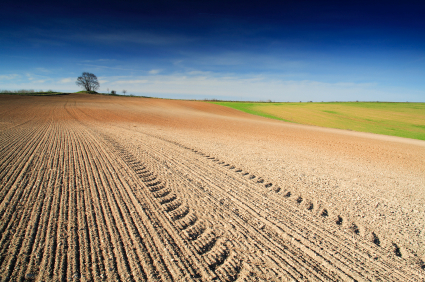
(21, 231)
(37, 253)
(46, 265)
(97, 188)
(339, 266)
(16, 173)
(168, 242)
(154, 183)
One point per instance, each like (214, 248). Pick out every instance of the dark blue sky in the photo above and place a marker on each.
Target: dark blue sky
(291, 51)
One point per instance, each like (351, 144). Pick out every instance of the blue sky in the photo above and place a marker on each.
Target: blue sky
(238, 50)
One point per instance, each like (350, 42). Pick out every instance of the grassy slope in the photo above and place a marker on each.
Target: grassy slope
(396, 119)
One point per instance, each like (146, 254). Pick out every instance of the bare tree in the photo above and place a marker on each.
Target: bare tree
(88, 81)
(124, 91)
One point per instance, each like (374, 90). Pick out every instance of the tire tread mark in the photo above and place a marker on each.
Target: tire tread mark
(277, 189)
(178, 209)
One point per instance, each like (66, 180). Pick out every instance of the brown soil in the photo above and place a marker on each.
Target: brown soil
(99, 188)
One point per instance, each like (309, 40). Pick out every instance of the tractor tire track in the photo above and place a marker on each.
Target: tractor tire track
(207, 244)
(83, 200)
(342, 249)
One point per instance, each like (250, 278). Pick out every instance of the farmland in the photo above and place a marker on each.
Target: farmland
(107, 188)
(395, 119)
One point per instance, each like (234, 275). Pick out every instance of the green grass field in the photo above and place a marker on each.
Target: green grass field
(396, 119)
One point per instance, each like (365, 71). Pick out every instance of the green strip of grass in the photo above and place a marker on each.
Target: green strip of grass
(248, 107)
(395, 119)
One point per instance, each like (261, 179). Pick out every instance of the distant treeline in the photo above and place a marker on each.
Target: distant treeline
(29, 92)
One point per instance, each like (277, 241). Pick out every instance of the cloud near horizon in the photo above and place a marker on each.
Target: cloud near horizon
(207, 85)
(243, 50)
(9, 76)
(65, 80)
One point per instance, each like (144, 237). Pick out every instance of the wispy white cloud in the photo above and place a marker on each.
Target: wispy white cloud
(135, 37)
(66, 80)
(100, 67)
(29, 76)
(9, 76)
(249, 60)
(199, 73)
(198, 85)
(137, 81)
(35, 78)
(43, 70)
(154, 71)
(99, 60)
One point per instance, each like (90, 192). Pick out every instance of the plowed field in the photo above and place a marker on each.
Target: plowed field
(99, 188)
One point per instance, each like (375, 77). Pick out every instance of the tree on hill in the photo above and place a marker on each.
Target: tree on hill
(88, 81)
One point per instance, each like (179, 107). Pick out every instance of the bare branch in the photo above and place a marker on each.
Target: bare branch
(88, 81)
